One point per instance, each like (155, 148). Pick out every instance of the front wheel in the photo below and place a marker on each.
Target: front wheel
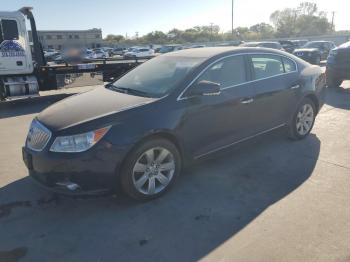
(151, 169)
(303, 120)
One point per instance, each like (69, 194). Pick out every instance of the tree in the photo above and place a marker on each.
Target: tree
(263, 30)
(114, 38)
(301, 21)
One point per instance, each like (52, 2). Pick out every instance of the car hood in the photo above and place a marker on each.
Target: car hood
(88, 106)
(306, 50)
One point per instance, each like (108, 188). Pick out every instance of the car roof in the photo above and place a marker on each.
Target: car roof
(345, 45)
(208, 52)
(320, 41)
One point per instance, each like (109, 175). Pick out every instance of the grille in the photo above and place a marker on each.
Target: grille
(38, 136)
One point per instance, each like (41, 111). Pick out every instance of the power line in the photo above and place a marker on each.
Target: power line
(333, 14)
(232, 18)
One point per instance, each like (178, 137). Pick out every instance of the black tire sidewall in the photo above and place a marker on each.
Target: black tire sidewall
(126, 179)
(293, 133)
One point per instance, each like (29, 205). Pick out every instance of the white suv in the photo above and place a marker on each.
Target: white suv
(139, 52)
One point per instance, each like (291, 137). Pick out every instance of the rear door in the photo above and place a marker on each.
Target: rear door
(275, 81)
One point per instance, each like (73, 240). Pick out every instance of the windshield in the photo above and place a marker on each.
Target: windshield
(313, 45)
(166, 49)
(158, 76)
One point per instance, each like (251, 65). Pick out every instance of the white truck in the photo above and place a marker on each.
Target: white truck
(23, 75)
(17, 78)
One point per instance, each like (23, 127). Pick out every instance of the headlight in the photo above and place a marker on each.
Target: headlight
(78, 143)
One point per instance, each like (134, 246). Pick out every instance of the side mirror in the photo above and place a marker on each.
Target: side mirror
(205, 88)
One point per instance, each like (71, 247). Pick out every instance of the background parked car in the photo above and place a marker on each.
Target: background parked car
(108, 50)
(338, 65)
(170, 48)
(70, 55)
(99, 53)
(51, 57)
(315, 51)
(300, 42)
(288, 45)
(139, 53)
(49, 52)
(119, 51)
(273, 45)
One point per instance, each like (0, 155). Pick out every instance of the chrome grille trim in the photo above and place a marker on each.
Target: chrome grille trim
(38, 136)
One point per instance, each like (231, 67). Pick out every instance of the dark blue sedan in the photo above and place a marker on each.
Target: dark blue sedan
(138, 132)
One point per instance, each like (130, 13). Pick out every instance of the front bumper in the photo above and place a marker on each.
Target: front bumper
(92, 172)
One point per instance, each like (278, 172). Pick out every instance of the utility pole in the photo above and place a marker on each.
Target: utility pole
(211, 31)
(232, 18)
(333, 13)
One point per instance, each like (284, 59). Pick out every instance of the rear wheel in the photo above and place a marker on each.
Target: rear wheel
(303, 120)
(151, 169)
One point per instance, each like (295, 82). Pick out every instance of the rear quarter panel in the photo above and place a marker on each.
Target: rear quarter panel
(313, 83)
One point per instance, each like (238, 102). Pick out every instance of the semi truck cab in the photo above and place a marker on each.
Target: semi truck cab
(17, 77)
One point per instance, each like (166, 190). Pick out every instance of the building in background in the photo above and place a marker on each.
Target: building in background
(59, 39)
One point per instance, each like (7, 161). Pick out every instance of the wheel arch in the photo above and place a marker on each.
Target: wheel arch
(164, 134)
(314, 99)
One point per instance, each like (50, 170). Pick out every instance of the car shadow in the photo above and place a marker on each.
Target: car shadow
(213, 200)
(338, 97)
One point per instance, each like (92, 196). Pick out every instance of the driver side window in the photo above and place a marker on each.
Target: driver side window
(8, 30)
(227, 72)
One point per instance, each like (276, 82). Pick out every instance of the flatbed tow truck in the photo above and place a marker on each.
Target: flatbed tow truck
(23, 75)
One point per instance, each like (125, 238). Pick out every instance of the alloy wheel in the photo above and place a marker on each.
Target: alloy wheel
(305, 119)
(153, 171)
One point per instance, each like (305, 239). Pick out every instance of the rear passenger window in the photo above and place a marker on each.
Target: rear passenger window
(289, 65)
(266, 66)
(227, 72)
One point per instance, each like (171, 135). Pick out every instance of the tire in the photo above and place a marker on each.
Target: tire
(142, 177)
(333, 82)
(297, 128)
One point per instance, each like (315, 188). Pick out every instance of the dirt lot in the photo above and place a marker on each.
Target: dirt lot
(267, 200)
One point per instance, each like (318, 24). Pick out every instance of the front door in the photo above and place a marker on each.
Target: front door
(213, 122)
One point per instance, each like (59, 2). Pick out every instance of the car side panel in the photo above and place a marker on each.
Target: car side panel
(274, 97)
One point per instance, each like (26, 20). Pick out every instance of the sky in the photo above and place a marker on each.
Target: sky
(131, 16)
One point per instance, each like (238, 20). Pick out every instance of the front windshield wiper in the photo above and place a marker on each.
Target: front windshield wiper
(127, 90)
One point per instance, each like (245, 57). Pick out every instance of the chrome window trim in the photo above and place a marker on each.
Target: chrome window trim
(238, 141)
(180, 97)
(46, 130)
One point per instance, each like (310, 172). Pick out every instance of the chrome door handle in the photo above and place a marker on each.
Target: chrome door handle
(295, 87)
(247, 101)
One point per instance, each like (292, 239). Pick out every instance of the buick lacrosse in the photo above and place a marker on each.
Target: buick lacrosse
(139, 131)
